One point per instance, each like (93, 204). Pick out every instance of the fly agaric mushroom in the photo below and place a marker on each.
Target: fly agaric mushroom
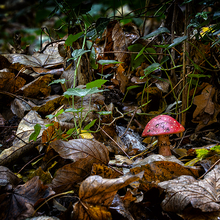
(162, 126)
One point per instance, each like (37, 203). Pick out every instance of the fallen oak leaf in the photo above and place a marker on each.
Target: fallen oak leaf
(97, 193)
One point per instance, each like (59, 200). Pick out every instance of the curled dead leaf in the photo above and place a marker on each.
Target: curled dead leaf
(186, 191)
(97, 193)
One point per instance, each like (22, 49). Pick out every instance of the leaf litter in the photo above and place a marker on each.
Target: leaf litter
(58, 170)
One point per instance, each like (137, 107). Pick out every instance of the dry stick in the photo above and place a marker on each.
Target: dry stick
(130, 122)
(114, 142)
(212, 140)
(210, 169)
(30, 162)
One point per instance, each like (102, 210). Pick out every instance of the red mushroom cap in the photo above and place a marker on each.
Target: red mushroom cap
(162, 125)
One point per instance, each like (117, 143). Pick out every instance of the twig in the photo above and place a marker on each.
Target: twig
(56, 41)
(129, 122)
(30, 162)
(212, 140)
(114, 142)
(210, 169)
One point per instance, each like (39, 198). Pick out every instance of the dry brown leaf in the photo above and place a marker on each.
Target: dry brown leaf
(159, 171)
(70, 174)
(104, 171)
(37, 88)
(122, 78)
(14, 203)
(206, 119)
(36, 60)
(82, 148)
(96, 195)
(119, 206)
(49, 104)
(52, 133)
(186, 191)
(122, 38)
(204, 101)
(10, 83)
(8, 177)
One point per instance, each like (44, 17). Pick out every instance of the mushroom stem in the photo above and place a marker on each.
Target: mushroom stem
(164, 145)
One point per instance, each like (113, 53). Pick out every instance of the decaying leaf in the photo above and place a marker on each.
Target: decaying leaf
(96, 195)
(36, 60)
(71, 174)
(8, 177)
(204, 101)
(186, 191)
(15, 202)
(49, 104)
(10, 83)
(37, 88)
(159, 171)
(82, 148)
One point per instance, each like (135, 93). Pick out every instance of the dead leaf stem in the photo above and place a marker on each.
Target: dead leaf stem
(114, 142)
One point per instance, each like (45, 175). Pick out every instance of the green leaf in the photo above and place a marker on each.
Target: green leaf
(92, 59)
(151, 50)
(160, 30)
(176, 42)
(97, 83)
(88, 126)
(137, 60)
(36, 132)
(58, 113)
(62, 81)
(151, 68)
(105, 113)
(164, 60)
(140, 53)
(132, 87)
(48, 125)
(81, 92)
(72, 38)
(50, 116)
(107, 62)
(78, 53)
(71, 130)
(74, 110)
(203, 14)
